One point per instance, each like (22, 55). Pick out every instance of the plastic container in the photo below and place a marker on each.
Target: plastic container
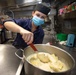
(61, 37)
(70, 40)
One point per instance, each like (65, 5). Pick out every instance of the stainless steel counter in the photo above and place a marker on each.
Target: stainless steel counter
(8, 61)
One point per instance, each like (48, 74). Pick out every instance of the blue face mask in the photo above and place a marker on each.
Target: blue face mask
(37, 21)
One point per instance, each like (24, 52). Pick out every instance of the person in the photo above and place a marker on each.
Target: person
(28, 30)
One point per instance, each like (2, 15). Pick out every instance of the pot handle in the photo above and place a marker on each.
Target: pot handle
(16, 53)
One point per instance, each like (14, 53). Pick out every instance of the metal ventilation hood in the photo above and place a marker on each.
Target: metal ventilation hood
(27, 2)
(14, 3)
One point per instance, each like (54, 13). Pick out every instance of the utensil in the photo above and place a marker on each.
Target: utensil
(42, 57)
(33, 47)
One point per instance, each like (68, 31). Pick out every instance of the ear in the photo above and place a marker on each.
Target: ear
(33, 13)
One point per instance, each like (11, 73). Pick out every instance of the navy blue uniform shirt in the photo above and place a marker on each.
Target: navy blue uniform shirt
(27, 24)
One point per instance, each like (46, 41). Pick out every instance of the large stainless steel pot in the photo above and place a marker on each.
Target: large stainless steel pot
(32, 70)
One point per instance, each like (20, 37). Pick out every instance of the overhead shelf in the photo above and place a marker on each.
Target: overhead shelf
(70, 15)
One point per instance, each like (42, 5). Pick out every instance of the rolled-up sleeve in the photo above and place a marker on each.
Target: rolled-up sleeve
(20, 22)
(7, 19)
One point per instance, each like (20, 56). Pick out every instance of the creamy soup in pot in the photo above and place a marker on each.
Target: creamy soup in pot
(48, 62)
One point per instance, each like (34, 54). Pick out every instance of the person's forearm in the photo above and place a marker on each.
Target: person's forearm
(26, 35)
(12, 26)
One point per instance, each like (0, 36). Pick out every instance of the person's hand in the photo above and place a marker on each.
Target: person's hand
(27, 36)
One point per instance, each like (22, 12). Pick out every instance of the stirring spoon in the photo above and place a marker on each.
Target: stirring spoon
(33, 47)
